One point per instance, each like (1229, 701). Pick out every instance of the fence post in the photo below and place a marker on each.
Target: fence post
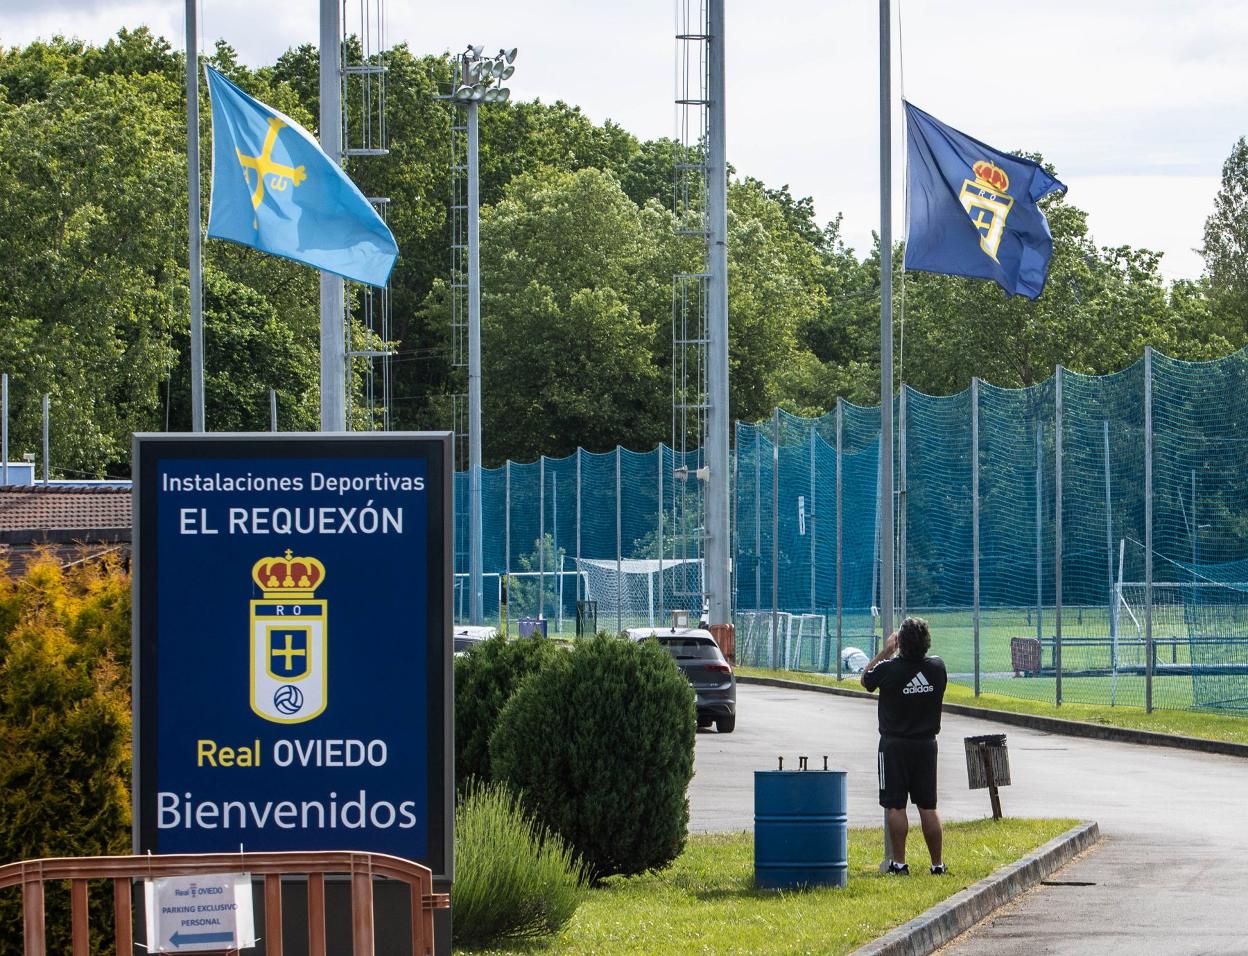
(272, 409)
(811, 500)
(975, 526)
(619, 551)
(1109, 558)
(507, 540)
(1148, 528)
(1057, 539)
(48, 469)
(662, 606)
(578, 524)
(758, 520)
(541, 536)
(775, 535)
(839, 462)
(736, 530)
(901, 501)
(4, 429)
(1039, 530)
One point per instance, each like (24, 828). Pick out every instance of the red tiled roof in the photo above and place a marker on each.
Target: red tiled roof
(37, 508)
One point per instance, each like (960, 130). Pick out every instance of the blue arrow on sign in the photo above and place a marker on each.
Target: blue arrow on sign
(190, 939)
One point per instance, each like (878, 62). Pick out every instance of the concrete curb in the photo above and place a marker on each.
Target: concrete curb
(1052, 725)
(930, 930)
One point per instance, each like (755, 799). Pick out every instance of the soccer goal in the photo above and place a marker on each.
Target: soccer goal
(641, 592)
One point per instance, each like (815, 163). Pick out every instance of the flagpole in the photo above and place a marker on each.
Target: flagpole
(333, 349)
(195, 265)
(886, 342)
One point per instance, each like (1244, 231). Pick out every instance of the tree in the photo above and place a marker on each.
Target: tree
(1225, 250)
(575, 293)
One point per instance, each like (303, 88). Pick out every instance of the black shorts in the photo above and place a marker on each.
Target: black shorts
(907, 768)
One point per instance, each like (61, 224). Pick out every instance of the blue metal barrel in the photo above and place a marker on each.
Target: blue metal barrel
(800, 834)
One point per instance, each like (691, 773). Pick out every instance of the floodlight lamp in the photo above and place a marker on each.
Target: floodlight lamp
(477, 94)
(490, 96)
(462, 94)
(476, 50)
(507, 72)
(504, 94)
(510, 55)
(496, 67)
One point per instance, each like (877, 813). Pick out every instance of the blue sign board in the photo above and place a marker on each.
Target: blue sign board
(292, 636)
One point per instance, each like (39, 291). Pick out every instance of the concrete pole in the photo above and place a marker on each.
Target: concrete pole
(475, 557)
(272, 409)
(195, 258)
(718, 543)
(333, 350)
(47, 467)
(975, 528)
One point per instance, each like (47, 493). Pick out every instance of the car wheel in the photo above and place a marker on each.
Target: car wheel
(726, 725)
(704, 722)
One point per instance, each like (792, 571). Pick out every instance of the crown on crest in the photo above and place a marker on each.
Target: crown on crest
(994, 176)
(288, 577)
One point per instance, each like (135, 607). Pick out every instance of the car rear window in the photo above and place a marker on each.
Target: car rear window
(691, 647)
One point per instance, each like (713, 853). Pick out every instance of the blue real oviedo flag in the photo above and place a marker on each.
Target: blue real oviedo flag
(273, 188)
(973, 209)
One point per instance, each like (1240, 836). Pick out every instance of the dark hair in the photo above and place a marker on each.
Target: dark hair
(913, 638)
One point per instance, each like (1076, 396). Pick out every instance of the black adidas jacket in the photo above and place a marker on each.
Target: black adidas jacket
(911, 693)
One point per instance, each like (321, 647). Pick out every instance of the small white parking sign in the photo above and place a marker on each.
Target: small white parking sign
(208, 912)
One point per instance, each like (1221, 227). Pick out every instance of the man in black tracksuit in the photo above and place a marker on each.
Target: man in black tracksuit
(912, 688)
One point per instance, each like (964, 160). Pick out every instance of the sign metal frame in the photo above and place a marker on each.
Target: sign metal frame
(433, 447)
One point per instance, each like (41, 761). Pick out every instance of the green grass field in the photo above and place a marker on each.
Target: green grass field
(1185, 723)
(953, 640)
(706, 902)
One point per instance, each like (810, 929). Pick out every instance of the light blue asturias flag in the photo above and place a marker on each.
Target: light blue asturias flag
(973, 209)
(274, 189)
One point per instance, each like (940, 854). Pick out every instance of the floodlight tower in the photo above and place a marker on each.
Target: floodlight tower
(700, 299)
(478, 79)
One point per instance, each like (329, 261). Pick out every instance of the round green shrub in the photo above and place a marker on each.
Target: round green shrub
(485, 678)
(600, 742)
(514, 881)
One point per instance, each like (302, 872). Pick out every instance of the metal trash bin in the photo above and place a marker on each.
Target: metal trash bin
(586, 618)
(988, 766)
(532, 627)
(800, 828)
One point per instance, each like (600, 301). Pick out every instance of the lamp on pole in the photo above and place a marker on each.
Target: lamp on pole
(478, 79)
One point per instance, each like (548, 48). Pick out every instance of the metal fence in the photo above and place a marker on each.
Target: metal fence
(1082, 540)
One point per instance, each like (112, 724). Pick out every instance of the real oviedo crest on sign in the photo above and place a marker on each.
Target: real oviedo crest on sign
(292, 633)
(288, 659)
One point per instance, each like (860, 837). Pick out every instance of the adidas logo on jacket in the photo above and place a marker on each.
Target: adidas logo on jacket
(918, 685)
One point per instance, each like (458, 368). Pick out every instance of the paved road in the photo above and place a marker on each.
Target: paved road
(1171, 875)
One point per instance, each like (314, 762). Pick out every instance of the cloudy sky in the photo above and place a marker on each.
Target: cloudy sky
(1136, 102)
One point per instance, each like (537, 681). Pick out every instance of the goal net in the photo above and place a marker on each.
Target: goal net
(1199, 628)
(642, 592)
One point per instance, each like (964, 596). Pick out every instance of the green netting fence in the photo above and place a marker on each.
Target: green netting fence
(1082, 540)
